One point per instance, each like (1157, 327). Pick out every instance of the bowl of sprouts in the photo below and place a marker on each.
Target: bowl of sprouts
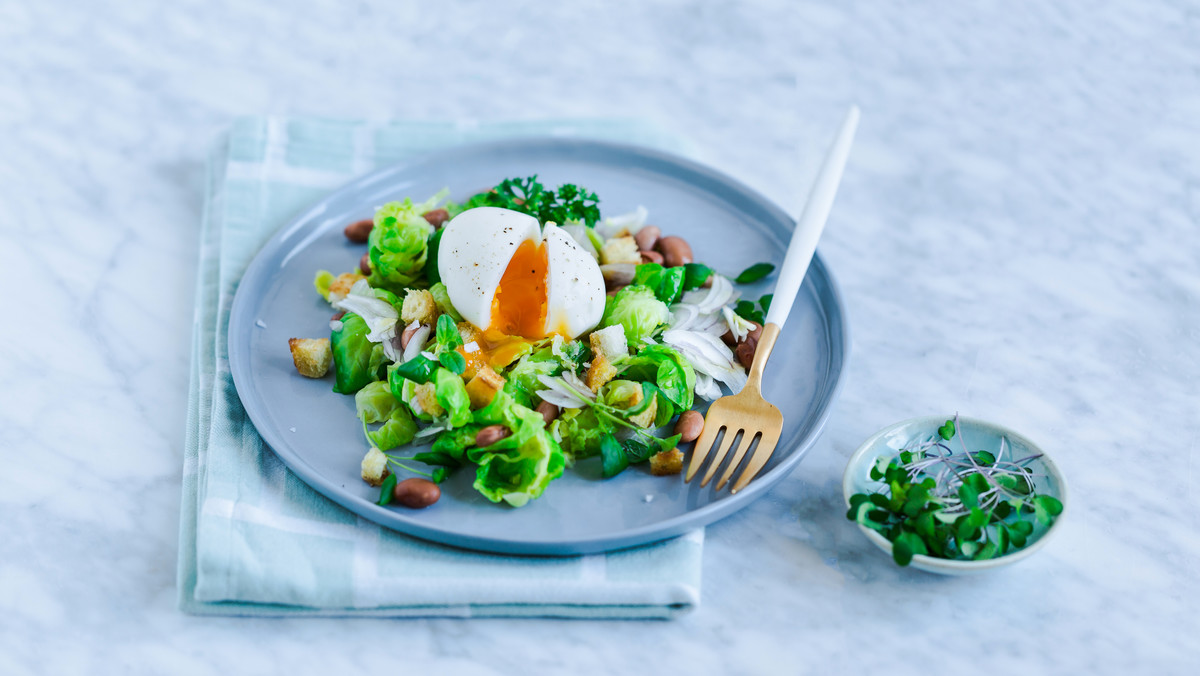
(955, 496)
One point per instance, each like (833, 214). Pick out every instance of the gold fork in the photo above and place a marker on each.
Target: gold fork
(746, 416)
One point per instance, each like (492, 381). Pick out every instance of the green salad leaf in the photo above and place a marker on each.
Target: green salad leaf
(356, 360)
(754, 273)
(399, 243)
(695, 275)
(375, 402)
(569, 204)
(441, 296)
(523, 380)
(517, 468)
(666, 283)
(452, 395)
(419, 369)
(579, 430)
(638, 311)
(667, 369)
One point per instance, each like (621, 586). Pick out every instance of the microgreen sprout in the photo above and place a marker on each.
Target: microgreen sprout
(966, 506)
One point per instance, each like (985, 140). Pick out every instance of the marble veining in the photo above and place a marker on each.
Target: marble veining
(1016, 238)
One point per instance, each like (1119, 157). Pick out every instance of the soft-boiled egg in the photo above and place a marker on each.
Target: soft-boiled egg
(507, 275)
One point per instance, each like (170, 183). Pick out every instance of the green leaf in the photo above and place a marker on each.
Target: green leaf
(1018, 539)
(447, 333)
(969, 548)
(1051, 504)
(439, 473)
(612, 456)
(1002, 539)
(419, 369)
(978, 482)
(385, 490)
(902, 553)
(765, 301)
(754, 273)
(965, 530)
(880, 500)
(694, 275)
(356, 360)
(984, 458)
(968, 495)
(453, 361)
(988, 551)
(1022, 527)
(946, 431)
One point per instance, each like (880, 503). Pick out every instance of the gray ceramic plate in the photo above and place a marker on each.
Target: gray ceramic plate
(315, 432)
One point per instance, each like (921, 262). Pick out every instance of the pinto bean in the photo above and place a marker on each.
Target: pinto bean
(407, 335)
(359, 231)
(491, 434)
(416, 493)
(728, 339)
(651, 257)
(364, 264)
(436, 217)
(647, 237)
(689, 426)
(675, 250)
(339, 315)
(549, 411)
(745, 351)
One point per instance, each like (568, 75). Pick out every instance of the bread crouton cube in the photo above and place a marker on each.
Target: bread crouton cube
(666, 463)
(646, 417)
(600, 372)
(620, 250)
(468, 332)
(312, 356)
(484, 386)
(610, 342)
(419, 306)
(340, 286)
(374, 467)
(425, 398)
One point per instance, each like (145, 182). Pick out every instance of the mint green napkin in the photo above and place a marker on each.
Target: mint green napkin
(254, 539)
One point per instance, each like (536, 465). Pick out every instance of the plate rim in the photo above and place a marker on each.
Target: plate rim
(239, 324)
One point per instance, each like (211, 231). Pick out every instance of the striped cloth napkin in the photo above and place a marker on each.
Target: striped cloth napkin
(254, 539)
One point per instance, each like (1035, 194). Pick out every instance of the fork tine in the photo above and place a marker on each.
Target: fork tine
(766, 446)
(726, 446)
(747, 442)
(701, 450)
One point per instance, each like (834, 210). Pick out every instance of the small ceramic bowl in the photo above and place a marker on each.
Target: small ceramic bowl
(978, 435)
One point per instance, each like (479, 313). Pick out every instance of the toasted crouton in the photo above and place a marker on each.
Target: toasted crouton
(600, 372)
(374, 467)
(646, 417)
(620, 250)
(468, 332)
(610, 342)
(312, 356)
(484, 386)
(425, 398)
(340, 287)
(666, 463)
(419, 306)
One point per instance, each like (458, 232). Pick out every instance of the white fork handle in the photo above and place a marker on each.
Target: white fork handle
(812, 222)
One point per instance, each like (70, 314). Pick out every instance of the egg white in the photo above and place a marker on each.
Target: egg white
(478, 245)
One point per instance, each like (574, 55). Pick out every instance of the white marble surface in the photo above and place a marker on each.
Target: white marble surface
(1018, 239)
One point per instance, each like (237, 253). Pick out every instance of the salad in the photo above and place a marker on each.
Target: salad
(517, 333)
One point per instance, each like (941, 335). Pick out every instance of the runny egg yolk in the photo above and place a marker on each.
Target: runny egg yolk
(519, 306)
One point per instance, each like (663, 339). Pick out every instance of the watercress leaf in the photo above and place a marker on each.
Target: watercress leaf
(746, 310)
(754, 273)
(978, 518)
(1018, 539)
(1002, 510)
(1050, 503)
(385, 490)
(612, 456)
(694, 275)
(988, 551)
(968, 495)
(765, 301)
(447, 332)
(1022, 527)
(901, 553)
(947, 431)
(419, 369)
(984, 458)
(439, 473)
(453, 360)
(978, 482)
(965, 531)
